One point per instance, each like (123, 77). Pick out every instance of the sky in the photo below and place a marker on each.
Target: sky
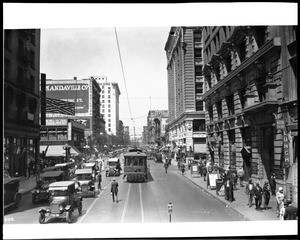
(84, 52)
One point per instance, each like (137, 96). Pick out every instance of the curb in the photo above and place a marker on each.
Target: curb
(215, 197)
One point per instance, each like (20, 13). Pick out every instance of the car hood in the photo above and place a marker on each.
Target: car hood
(59, 200)
(84, 182)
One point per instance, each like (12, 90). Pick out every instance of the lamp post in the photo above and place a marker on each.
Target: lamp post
(67, 148)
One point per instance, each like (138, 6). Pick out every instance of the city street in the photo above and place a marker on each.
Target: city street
(139, 203)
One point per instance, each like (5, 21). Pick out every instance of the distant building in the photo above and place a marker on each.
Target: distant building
(21, 100)
(109, 104)
(156, 126)
(251, 101)
(85, 93)
(186, 124)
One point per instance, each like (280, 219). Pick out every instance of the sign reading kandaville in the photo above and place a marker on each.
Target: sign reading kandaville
(78, 92)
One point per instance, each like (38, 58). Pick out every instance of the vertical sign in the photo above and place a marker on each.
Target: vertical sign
(43, 99)
(170, 210)
(286, 149)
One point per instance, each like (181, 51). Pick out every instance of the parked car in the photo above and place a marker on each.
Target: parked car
(85, 184)
(49, 169)
(12, 196)
(41, 192)
(63, 201)
(69, 169)
(91, 165)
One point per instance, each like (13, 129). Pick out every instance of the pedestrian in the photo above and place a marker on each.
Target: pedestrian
(241, 173)
(166, 166)
(114, 190)
(182, 168)
(215, 168)
(280, 200)
(99, 181)
(266, 195)
(291, 212)
(204, 171)
(200, 168)
(231, 187)
(258, 196)
(273, 184)
(118, 167)
(250, 192)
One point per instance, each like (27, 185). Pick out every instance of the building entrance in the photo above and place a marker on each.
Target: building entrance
(267, 153)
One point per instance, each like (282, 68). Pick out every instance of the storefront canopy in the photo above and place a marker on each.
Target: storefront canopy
(58, 150)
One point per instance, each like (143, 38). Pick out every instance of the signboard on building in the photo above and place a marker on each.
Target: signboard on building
(56, 122)
(77, 91)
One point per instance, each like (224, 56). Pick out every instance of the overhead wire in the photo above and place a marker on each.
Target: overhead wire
(120, 57)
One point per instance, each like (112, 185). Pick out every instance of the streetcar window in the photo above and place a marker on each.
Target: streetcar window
(141, 162)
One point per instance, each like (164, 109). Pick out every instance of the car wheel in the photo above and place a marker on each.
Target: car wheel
(69, 216)
(80, 209)
(42, 218)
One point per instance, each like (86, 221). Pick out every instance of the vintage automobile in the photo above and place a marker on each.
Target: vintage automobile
(63, 201)
(98, 163)
(41, 192)
(69, 169)
(85, 185)
(91, 165)
(111, 169)
(12, 196)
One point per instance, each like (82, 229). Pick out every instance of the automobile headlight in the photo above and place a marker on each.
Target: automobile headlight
(37, 191)
(61, 208)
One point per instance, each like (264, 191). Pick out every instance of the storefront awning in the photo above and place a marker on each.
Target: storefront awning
(58, 151)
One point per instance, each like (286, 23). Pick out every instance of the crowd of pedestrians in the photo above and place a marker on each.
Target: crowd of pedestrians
(257, 194)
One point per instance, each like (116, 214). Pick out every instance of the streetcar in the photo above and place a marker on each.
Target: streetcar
(135, 165)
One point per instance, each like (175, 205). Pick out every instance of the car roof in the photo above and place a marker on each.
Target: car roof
(47, 169)
(84, 171)
(131, 154)
(52, 174)
(89, 164)
(113, 159)
(61, 184)
(63, 164)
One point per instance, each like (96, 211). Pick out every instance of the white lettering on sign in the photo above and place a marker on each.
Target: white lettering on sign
(170, 207)
(67, 87)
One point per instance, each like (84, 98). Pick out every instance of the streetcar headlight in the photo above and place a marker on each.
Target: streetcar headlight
(61, 208)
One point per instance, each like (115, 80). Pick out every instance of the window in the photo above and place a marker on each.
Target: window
(109, 125)
(199, 87)
(230, 104)
(198, 37)
(108, 105)
(199, 125)
(103, 101)
(199, 106)
(109, 129)
(109, 110)
(108, 96)
(108, 101)
(108, 115)
(227, 61)
(219, 109)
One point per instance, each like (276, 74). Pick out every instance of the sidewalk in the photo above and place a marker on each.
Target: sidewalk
(241, 200)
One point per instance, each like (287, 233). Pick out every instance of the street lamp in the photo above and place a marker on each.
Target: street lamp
(67, 148)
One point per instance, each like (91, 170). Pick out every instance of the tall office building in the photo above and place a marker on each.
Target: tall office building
(251, 101)
(185, 87)
(157, 121)
(109, 104)
(21, 99)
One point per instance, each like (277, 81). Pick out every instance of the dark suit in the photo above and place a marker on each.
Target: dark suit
(291, 213)
(114, 190)
(258, 196)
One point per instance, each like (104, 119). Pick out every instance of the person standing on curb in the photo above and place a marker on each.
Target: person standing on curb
(204, 171)
(182, 168)
(280, 200)
(291, 212)
(266, 195)
(166, 165)
(114, 190)
(273, 184)
(257, 196)
(240, 173)
(250, 192)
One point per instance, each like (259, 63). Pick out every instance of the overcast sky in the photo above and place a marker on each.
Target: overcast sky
(79, 40)
(73, 52)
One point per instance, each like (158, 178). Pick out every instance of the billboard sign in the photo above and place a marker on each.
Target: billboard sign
(77, 91)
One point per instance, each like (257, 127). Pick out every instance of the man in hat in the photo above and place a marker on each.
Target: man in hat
(258, 196)
(273, 184)
(266, 195)
(291, 212)
(114, 189)
(250, 191)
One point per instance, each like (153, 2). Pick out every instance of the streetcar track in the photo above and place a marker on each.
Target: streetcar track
(141, 203)
(81, 219)
(126, 204)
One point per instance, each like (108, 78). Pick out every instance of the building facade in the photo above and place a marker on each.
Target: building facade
(251, 101)
(109, 104)
(186, 124)
(21, 100)
(85, 93)
(157, 121)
